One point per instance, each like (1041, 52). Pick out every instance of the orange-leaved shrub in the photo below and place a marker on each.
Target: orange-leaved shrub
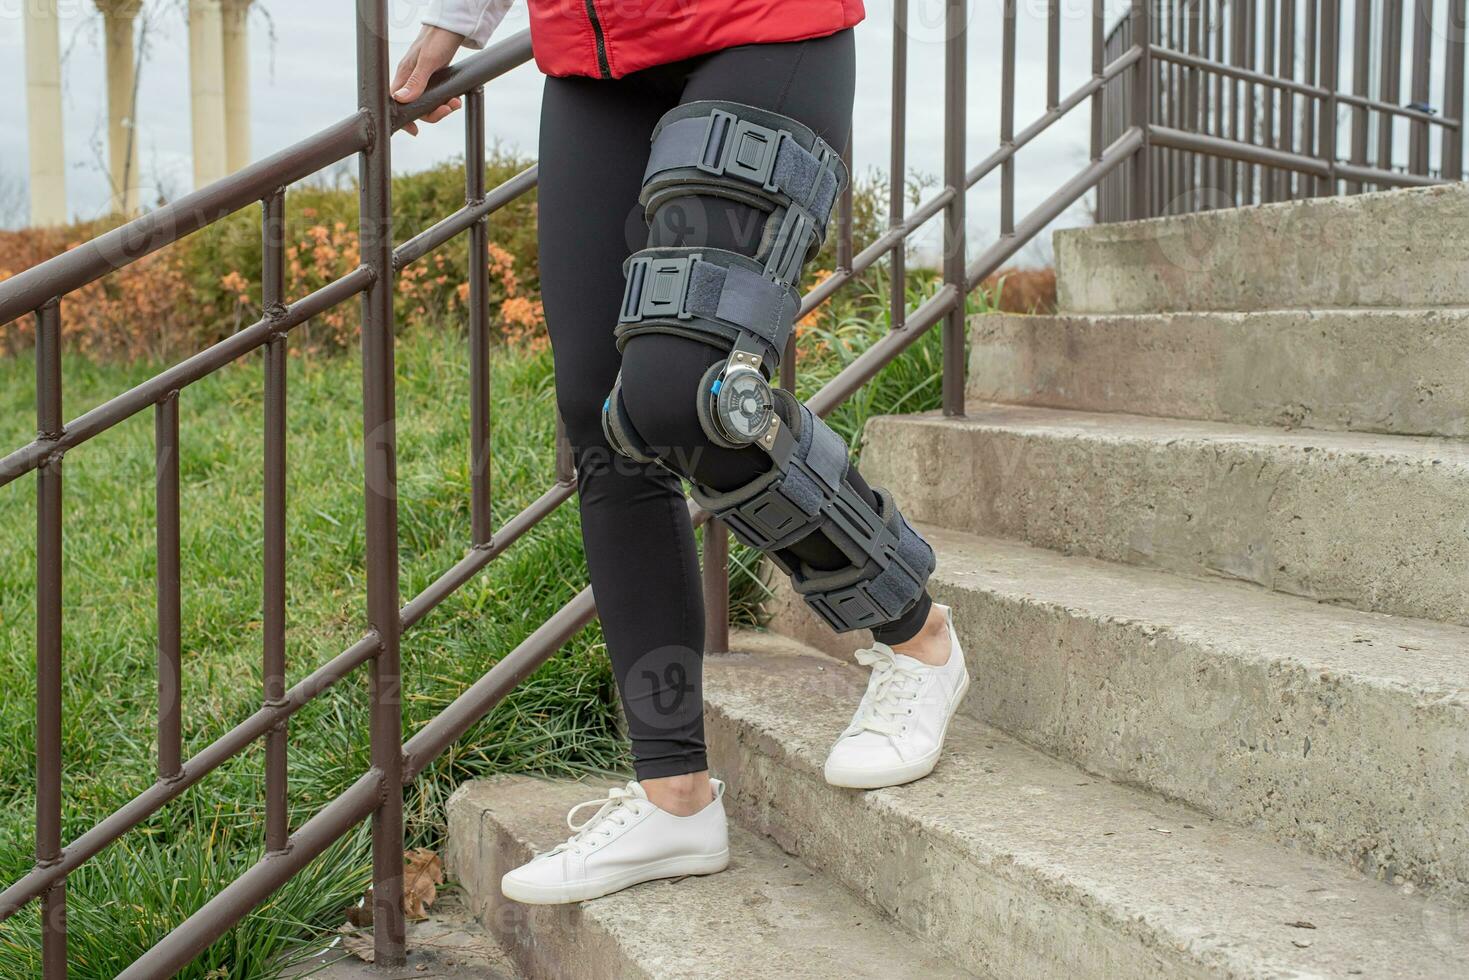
(207, 286)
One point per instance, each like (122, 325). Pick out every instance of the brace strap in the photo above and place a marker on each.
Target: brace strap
(761, 158)
(710, 295)
(806, 492)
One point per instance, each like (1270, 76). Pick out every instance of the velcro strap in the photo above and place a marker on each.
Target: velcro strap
(725, 146)
(713, 285)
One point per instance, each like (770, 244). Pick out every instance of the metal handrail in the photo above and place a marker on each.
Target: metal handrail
(1130, 140)
(1240, 113)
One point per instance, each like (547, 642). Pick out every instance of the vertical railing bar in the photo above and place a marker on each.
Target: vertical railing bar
(1361, 69)
(1330, 37)
(1053, 54)
(844, 214)
(1239, 173)
(1306, 186)
(1251, 11)
(955, 132)
(1007, 118)
(1207, 169)
(273, 668)
(1166, 98)
(1422, 58)
(1267, 174)
(1099, 28)
(716, 587)
(1287, 139)
(170, 633)
(1192, 10)
(1178, 102)
(565, 457)
(48, 638)
(1389, 84)
(898, 167)
(1452, 148)
(380, 470)
(1158, 168)
(1142, 75)
(1223, 169)
(480, 505)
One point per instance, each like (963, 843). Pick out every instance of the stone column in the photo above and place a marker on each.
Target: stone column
(206, 90)
(237, 82)
(122, 133)
(43, 113)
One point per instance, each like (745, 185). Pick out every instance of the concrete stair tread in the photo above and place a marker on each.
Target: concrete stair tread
(1121, 427)
(1199, 895)
(1429, 659)
(1395, 248)
(1371, 370)
(1366, 520)
(767, 915)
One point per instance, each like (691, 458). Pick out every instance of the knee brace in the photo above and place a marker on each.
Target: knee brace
(741, 305)
(806, 492)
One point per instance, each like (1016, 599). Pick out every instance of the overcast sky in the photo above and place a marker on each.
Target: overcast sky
(302, 79)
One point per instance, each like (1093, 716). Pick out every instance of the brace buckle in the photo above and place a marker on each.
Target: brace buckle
(656, 287)
(738, 148)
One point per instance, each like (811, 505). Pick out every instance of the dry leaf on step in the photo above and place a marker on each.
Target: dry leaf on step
(422, 873)
(359, 944)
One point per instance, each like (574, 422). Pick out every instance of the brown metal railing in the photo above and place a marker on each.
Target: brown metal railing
(1126, 139)
(1250, 101)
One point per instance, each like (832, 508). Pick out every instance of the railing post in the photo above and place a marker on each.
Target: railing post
(273, 664)
(1142, 101)
(1453, 101)
(380, 465)
(481, 519)
(716, 587)
(1418, 82)
(170, 599)
(1330, 35)
(1007, 117)
(48, 639)
(955, 131)
(898, 168)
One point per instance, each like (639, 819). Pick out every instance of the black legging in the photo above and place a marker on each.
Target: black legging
(635, 525)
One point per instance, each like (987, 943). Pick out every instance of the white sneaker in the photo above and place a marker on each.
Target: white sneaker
(627, 841)
(898, 731)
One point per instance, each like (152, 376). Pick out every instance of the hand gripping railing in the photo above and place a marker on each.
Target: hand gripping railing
(378, 793)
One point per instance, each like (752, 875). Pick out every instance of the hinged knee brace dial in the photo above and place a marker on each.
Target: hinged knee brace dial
(741, 305)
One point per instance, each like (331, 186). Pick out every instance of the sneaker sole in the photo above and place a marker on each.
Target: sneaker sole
(528, 893)
(906, 773)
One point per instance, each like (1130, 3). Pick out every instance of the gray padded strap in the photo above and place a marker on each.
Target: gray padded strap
(723, 145)
(705, 291)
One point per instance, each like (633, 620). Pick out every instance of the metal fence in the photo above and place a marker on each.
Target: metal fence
(1130, 148)
(1254, 101)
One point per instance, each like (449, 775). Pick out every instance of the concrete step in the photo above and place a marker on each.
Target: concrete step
(1396, 248)
(1341, 731)
(1394, 371)
(1022, 866)
(766, 916)
(1372, 521)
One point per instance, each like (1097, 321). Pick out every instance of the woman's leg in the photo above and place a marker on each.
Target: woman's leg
(811, 81)
(635, 525)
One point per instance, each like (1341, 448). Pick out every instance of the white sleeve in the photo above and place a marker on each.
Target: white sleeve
(475, 19)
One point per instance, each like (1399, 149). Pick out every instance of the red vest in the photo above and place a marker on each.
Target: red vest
(611, 38)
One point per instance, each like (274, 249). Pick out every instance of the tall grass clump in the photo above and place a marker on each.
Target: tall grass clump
(562, 720)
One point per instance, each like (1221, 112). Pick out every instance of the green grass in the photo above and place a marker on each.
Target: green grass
(561, 720)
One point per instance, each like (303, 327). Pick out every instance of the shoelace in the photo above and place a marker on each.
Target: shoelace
(615, 812)
(889, 689)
